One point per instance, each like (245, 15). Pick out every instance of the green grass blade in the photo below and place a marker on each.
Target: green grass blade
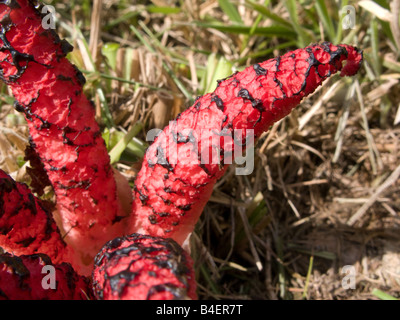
(376, 61)
(339, 30)
(230, 10)
(255, 25)
(321, 254)
(310, 267)
(302, 36)
(109, 50)
(208, 72)
(265, 53)
(163, 10)
(263, 10)
(105, 110)
(383, 295)
(206, 274)
(273, 31)
(6, 98)
(222, 70)
(123, 18)
(391, 64)
(326, 19)
(132, 82)
(128, 59)
(352, 34)
(116, 152)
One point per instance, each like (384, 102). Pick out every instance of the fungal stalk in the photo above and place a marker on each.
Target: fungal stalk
(176, 179)
(62, 126)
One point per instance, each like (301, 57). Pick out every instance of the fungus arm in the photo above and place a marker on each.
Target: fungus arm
(62, 126)
(22, 278)
(182, 165)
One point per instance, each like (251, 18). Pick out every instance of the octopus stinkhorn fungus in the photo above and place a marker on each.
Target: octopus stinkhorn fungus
(178, 173)
(62, 126)
(26, 226)
(24, 278)
(170, 190)
(143, 267)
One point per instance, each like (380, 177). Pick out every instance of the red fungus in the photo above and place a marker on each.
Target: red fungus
(139, 267)
(62, 126)
(23, 278)
(26, 227)
(175, 182)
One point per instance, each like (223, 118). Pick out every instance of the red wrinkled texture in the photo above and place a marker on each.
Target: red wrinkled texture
(63, 129)
(138, 267)
(170, 195)
(21, 279)
(26, 227)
